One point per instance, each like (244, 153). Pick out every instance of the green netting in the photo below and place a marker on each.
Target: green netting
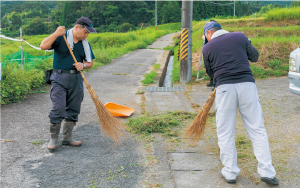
(28, 60)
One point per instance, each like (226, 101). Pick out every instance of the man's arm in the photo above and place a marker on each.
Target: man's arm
(47, 42)
(79, 66)
(252, 53)
(208, 67)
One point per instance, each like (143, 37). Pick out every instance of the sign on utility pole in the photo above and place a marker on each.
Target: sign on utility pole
(186, 42)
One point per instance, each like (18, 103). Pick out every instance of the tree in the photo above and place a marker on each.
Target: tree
(295, 4)
(35, 27)
(126, 27)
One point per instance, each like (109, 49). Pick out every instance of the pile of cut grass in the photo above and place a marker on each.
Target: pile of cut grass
(158, 123)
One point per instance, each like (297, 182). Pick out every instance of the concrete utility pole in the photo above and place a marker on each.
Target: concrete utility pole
(156, 14)
(233, 7)
(21, 48)
(186, 42)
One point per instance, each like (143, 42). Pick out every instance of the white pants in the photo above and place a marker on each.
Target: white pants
(228, 98)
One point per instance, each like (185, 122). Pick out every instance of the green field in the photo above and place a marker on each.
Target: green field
(16, 84)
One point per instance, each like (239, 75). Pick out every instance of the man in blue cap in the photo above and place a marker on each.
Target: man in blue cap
(226, 56)
(66, 83)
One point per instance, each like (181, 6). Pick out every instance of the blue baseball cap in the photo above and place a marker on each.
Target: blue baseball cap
(209, 25)
(87, 23)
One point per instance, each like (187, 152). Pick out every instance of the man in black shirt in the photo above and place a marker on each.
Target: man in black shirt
(66, 82)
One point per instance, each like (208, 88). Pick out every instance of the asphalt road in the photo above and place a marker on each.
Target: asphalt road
(26, 162)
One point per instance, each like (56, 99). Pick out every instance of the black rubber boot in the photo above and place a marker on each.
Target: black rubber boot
(54, 130)
(67, 134)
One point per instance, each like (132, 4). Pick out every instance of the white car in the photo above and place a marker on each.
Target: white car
(294, 73)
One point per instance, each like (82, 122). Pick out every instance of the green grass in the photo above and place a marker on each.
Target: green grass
(106, 46)
(36, 142)
(149, 78)
(279, 14)
(156, 66)
(252, 32)
(158, 123)
(176, 66)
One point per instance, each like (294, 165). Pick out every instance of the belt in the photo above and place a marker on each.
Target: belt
(66, 71)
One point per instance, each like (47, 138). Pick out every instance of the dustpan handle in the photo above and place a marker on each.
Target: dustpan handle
(71, 52)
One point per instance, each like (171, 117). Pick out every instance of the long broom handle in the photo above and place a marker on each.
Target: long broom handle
(71, 52)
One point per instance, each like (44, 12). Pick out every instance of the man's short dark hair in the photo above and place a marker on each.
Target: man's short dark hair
(214, 29)
(80, 26)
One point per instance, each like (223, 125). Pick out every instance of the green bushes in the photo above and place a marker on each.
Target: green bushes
(16, 84)
(126, 27)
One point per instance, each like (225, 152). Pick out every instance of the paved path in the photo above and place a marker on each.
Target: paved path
(198, 166)
(97, 161)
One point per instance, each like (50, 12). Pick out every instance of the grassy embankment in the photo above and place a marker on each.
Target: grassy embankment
(16, 84)
(275, 36)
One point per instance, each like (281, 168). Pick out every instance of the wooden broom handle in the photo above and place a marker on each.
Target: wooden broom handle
(71, 52)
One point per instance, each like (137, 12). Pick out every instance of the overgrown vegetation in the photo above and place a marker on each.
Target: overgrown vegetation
(16, 84)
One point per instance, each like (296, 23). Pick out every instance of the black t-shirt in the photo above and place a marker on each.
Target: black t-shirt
(62, 56)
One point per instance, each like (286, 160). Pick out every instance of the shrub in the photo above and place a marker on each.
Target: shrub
(16, 83)
(126, 27)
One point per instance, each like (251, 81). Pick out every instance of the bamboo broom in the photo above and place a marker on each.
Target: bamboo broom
(196, 129)
(108, 124)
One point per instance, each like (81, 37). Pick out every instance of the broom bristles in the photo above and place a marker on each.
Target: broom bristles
(196, 129)
(109, 125)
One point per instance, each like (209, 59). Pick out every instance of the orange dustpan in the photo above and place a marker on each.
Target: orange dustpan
(118, 110)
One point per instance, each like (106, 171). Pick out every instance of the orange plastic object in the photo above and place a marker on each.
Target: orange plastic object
(118, 110)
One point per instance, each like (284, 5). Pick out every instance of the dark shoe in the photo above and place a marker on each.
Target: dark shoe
(67, 134)
(270, 181)
(210, 85)
(229, 181)
(54, 130)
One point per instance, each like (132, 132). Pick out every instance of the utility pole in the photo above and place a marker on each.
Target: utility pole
(156, 14)
(21, 48)
(233, 7)
(190, 43)
(186, 42)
